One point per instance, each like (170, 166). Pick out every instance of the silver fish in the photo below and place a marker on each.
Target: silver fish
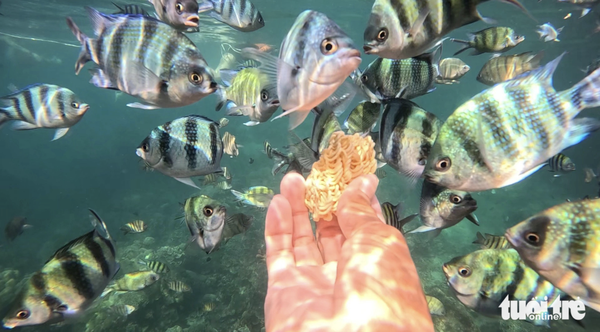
(42, 106)
(182, 148)
(136, 55)
(506, 67)
(450, 70)
(548, 33)
(205, 219)
(315, 58)
(180, 14)
(241, 15)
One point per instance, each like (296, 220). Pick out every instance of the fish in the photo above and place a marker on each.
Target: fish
(226, 173)
(248, 92)
(130, 9)
(482, 280)
(391, 215)
(136, 226)
(380, 173)
(548, 33)
(69, 281)
(258, 196)
(560, 164)
(211, 178)
(223, 185)
(223, 122)
(325, 124)
(42, 106)
(125, 64)
(263, 47)
(589, 174)
(502, 68)
(404, 78)
(567, 16)
(442, 208)
(490, 241)
(363, 118)
(241, 15)
(227, 61)
(205, 219)
(182, 148)
(281, 159)
(236, 224)
(15, 227)
(402, 29)
(378, 153)
(179, 14)
(435, 306)
(156, 266)
(250, 161)
(561, 244)
(178, 286)
(450, 70)
(595, 64)
(210, 306)
(122, 310)
(230, 147)
(585, 5)
(507, 132)
(133, 281)
(315, 58)
(407, 133)
(490, 40)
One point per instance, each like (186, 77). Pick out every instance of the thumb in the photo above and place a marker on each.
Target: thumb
(358, 205)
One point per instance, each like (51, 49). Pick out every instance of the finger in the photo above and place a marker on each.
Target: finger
(330, 239)
(278, 237)
(305, 247)
(377, 208)
(356, 205)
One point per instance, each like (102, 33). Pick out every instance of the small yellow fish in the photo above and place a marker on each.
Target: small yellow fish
(223, 185)
(210, 306)
(436, 307)
(223, 122)
(229, 145)
(178, 286)
(257, 196)
(136, 226)
(133, 282)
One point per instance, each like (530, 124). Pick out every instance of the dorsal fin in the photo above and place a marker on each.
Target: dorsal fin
(541, 74)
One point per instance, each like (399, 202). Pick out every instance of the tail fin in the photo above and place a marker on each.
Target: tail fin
(462, 49)
(100, 226)
(586, 93)
(4, 116)
(84, 54)
(480, 239)
(238, 195)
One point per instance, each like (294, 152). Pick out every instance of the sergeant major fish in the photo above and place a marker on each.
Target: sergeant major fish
(490, 241)
(178, 286)
(182, 148)
(136, 55)
(363, 118)
(507, 132)
(506, 67)
(136, 226)
(156, 266)
(205, 219)
(241, 15)
(491, 40)
(315, 58)
(258, 196)
(560, 164)
(133, 281)
(392, 213)
(42, 106)
(450, 70)
(69, 282)
(180, 14)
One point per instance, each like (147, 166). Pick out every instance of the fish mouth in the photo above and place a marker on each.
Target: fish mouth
(370, 49)
(192, 21)
(509, 237)
(275, 102)
(84, 107)
(354, 53)
(446, 270)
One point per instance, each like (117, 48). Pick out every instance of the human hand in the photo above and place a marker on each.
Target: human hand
(357, 275)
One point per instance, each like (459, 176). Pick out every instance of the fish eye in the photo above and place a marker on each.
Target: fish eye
(443, 165)
(328, 46)
(208, 211)
(464, 271)
(382, 35)
(455, 199)
(179, 8)
(62, 308)
(532, 238)
(23, 314)
(146, 147)
(196, 78)
(260, 19)
(75, 104)
(364, 78)
(264, 95)
(153, 277)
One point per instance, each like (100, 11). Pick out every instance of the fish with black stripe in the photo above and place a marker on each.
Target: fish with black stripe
(180, 14)
(156, 266)
(392, 213)
(506, 67)
(363, 118)
(69, 282)
(241, 15)
(258, 196)
(185, 147)
(133, 281)
(507, 132)
(178, 286)
(230, 147)
(136, 226)
(490, 40)
(561, 164)
(405, 78)
(130, 9)
(42, 106)
(482, 279)
(450, 70)
(561, 244)
(407, 133)
(136, 54)
(490, 241)
(205, 219)
(401, 29)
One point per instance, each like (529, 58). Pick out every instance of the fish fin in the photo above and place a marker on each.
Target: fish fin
(204, 6)
(475, 52)
(522, 176)
(221, 94)
(535, 60)
(22, 125)
(304, 154)
(187, 181)
(585, 11)
(142, 106)
(380, 164)
(296, 117)
(519, 5)
(542, 74)
(480, 239)
(579, 130)
(233, 109)
(238, 195)
(60, 132)
(422, 229)
(227, 76)
(99, 20)
(473, 218)
(100, 80)
(418, 25)
(84, 54)
(240, 110)
(147, 81)
(462, 49)
(269, 64)
(12, 88)
(407, 219)
(486, 20)
(339, 101)
(586, 93)
(251, 123)
(99, 225)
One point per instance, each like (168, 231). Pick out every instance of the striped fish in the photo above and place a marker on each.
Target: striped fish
(180, 14)
(391, 215)
(135, 54)
(122, 310)
(450, 70)
(223, 185)
(380, 173)
(402, 29)
(560, 164)
(481, 281)
(229, 145)
(363, 118)
(436, 307)
(315, 59)
(133, 281)
(562, 245)
(406, 78)
(185, 147)
(507, 132)
(156, 266)
(490, 40)
(506, 67)
(407, 133)
(258, 196)
(42, 106)
(241, 15)
(178, 286)
(223, 122)
(490, 241)
(211, 178)
(205, 219)
(136, 226)
(69, 282)
(130, 9)
(226, 173)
